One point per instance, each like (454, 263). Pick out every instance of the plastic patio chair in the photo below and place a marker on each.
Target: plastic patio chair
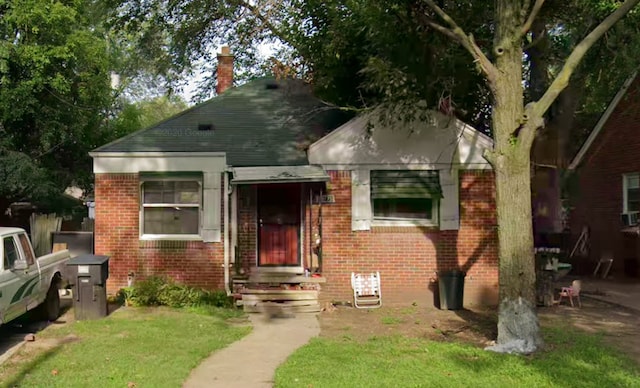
(366, 290)
(571, 292)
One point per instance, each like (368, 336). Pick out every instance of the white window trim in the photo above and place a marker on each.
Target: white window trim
(171, 237)
(403, 222)
(625, 186)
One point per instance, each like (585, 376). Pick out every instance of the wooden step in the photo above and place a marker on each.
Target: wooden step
(283, 278)
(275, 309)
(275, 295)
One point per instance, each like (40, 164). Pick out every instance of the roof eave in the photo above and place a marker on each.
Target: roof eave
(601, 122)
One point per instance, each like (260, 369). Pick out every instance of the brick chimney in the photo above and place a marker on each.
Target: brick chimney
(225, 70)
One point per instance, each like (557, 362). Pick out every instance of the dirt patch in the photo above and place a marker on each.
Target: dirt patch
(619, 325)
(476, 327)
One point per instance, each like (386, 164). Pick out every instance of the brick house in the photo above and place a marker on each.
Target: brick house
(606, 191)
(252, 187)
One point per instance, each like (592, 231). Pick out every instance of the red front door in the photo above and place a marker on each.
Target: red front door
(279, 225)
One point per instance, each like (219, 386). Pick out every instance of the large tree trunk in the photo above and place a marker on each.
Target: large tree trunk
(518, 328)
(514, 129)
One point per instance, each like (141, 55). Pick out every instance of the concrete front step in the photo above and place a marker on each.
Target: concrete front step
(270, 278)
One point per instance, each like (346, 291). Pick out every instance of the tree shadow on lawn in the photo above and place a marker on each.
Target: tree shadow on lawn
(32, 355)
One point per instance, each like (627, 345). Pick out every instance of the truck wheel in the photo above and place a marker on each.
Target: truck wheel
(50, 308)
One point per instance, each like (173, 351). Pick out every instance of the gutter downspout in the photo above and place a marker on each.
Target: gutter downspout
(226, 233)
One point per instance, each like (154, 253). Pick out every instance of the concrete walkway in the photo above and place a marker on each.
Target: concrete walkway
(252, 361)
(622, 292)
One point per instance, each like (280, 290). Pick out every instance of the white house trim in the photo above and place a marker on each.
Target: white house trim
(439, 142)
(401, 166)
(434, 143)
(135, 162)
(601, 122)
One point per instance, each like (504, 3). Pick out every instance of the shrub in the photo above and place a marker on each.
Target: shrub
(147, 292)
(160, 291)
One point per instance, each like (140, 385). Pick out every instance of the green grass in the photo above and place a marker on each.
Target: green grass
(151, 347)
(570, 359)
(389, 320)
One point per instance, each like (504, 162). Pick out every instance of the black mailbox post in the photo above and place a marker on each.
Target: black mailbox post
(88, 275)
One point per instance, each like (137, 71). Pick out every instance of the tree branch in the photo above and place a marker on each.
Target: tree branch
(532, 16)
(573, 60)
(457, 34)
(534, 112)
(444, 30)
(264, 19)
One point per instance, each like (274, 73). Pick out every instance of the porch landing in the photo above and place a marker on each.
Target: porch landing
(277, 294)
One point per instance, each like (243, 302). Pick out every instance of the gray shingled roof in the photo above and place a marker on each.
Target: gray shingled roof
(262, 123)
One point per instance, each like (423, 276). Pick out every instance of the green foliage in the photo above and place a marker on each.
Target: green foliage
(144, 113)
(160, 291)
(54, 94)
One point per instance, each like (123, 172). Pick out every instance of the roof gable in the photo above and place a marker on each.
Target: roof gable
(264, 122)
(436, 140)
(601, 122)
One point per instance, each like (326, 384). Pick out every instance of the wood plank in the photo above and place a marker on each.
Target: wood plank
(57, 247)
(285, 310)
(271, 297)
(283, 279)
(309, 302)
(281, 292)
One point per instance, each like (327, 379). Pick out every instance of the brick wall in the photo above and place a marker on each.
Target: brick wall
(408, 257)
(117, 235)
(597, 195)
(247, 227)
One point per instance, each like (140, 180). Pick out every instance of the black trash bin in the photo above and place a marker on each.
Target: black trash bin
(451, 289)
(88, 275)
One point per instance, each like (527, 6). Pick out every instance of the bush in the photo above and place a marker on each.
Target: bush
(147, 292)
(160, 291)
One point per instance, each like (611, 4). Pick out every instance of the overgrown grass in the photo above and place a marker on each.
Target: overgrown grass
(150, 347)
(571, 359)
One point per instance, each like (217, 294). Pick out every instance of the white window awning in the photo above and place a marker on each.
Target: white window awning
(278, 174)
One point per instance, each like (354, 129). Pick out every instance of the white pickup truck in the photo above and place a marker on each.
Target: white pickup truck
(27, 283)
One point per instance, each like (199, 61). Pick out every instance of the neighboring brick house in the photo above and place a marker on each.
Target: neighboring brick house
(259, 182)
(606, 191)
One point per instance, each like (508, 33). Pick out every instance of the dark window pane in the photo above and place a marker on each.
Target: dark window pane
(10, 252)
(153, 192)
(413, 208)
(171, 192)
(633, 200)
(187, 192)
(171, 220)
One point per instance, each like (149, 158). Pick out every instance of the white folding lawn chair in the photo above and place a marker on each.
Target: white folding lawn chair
(366, 290)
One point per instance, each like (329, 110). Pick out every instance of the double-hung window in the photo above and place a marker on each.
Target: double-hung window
(171, 207)
(631, 193)
(405, 196)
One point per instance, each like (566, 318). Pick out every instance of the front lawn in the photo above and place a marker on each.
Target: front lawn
(571, 359)
(134, 347)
